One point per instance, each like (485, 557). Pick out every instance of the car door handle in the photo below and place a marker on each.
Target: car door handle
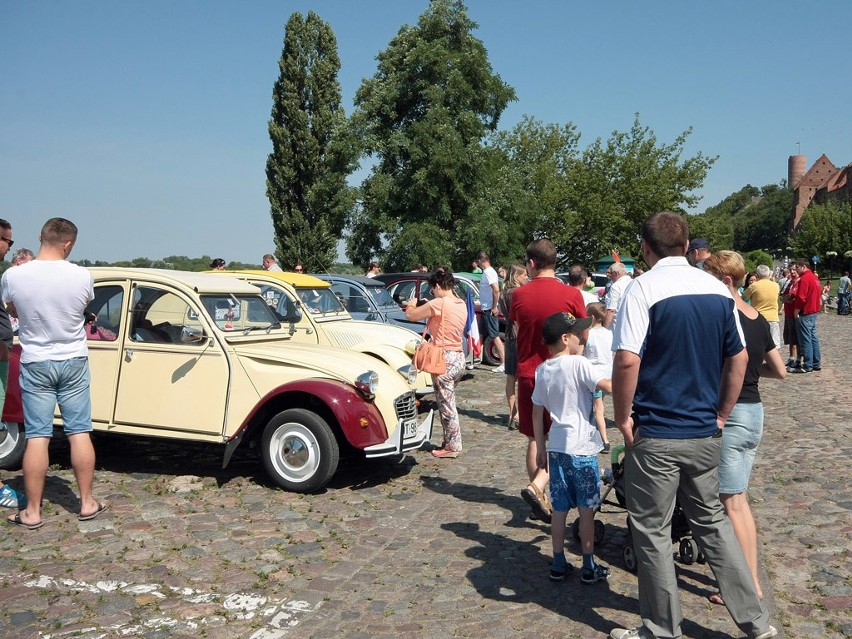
(128, 354)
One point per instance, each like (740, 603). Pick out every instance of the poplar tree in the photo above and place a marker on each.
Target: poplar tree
(312, 149)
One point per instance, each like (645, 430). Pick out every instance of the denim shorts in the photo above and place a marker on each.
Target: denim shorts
(740, 439)
(575, 481)
(490, 324)
(46, 384)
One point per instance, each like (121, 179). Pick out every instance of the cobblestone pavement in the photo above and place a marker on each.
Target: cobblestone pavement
(417, 547)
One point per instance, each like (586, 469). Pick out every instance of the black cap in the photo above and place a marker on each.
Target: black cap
(698, 243)
(558, 324)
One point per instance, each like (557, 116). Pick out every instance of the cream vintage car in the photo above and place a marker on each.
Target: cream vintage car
(193, 356)
(311, 313)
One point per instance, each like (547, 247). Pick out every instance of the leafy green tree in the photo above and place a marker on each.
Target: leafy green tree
(766, 223)
(616, 185)
(824, 228)
(423, 117)
(312, 148)
(529, 180)
(753, 259)
(735, 202)
(718, 229)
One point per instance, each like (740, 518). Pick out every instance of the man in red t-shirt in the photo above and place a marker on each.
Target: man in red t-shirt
(806, 307)
(532, 303)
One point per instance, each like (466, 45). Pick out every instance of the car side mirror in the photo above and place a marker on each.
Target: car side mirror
(191, 335)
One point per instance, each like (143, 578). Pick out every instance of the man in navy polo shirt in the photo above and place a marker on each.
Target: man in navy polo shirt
(678, 370)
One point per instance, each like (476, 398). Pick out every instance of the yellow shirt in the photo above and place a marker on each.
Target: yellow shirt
(763, 296)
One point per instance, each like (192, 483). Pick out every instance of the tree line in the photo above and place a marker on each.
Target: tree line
(445, 182)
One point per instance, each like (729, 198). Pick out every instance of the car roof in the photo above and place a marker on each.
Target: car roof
(297, 280)
(360, 279)
(199, 282)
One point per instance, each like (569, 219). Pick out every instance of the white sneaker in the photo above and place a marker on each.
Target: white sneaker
(499, 369)
(623, 633)
(768, 634)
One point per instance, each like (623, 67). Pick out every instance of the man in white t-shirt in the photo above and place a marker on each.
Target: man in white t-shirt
(489, 295)
(617, 273)
(577, 278)
(49, 296)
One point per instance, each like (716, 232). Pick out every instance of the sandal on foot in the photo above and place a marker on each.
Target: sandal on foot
(536, 500)
(20, 522)
(716, 598)
(102, 506)
(443, 453)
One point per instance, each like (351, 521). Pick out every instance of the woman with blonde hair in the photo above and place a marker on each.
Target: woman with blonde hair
(744, 427)
(515, 277)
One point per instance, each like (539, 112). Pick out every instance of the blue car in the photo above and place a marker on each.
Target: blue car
(367, 299)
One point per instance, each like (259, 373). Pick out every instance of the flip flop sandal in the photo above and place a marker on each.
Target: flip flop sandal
(102, 506)
(19, 522)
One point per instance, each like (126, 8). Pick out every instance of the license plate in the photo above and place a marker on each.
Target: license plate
(410, 429)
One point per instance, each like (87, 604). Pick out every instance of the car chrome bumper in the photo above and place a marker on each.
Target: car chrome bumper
(409, 435)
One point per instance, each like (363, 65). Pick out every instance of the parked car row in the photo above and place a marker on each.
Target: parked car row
(406, 286)
(241, 360)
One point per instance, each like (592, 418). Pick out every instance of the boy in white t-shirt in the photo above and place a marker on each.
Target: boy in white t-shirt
(564, 387)
(598, 350)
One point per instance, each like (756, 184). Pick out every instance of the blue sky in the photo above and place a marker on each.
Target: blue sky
(145, 123)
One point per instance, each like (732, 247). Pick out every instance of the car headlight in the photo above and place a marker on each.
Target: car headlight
(409, 373)
(367, 383)
(411, 346)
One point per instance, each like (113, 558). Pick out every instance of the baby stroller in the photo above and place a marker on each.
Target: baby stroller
(688, 550)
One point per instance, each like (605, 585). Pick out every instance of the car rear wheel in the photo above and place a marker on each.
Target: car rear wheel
(299, 450)
(12, 444)
(490, 354)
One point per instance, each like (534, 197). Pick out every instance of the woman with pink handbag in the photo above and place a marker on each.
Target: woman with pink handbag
(446, 315)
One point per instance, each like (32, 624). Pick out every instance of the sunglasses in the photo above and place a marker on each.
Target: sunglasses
(8, 241)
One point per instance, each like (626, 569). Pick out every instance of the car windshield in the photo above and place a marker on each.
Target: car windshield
(240, 313)
(320, 301)
(381, 296)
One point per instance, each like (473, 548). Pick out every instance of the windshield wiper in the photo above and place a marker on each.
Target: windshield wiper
(249, 329)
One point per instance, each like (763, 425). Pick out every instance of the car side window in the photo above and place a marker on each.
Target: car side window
(404, 291)
(283, 305)
(158, 316)
(426, 291)
(350, 297)
(106, 307)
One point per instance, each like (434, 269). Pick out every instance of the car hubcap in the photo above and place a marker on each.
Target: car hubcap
(10, 434)
(295, 452)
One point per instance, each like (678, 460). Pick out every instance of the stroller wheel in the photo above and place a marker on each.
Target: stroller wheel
(628, 555)
(688, 550)
(600, 531)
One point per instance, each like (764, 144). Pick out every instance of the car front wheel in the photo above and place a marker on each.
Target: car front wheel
(299, 450)
(12, 444)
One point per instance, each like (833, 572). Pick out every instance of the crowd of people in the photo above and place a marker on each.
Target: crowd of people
(691, 417)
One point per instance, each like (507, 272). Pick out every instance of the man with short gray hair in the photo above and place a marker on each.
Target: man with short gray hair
(763, 296)
(617, 273)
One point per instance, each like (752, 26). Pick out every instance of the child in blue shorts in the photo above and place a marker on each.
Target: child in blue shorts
(563, 387)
